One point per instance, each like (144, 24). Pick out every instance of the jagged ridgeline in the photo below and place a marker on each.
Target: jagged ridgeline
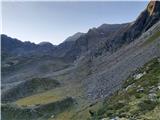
(110, 72)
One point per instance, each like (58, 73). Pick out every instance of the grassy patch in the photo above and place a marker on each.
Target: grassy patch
(29, 87)
(147, 105)
(50, 96)
(41, 112)
(41, 98)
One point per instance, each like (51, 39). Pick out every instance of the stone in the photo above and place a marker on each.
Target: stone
(104, 119)
(52, 116)
(158, 86)
(129, 86)
(116, 118)
(152, 96)
(138, 76)
(139, 86)
(153, 90)
(140, 90)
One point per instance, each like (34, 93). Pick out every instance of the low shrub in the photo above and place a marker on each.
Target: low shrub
(147, 105)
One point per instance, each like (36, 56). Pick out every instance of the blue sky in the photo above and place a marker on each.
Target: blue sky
(55, 21)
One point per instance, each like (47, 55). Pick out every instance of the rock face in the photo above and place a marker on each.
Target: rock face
(151, 8)
(145, 20)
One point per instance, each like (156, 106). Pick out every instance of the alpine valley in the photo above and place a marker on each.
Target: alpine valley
(112, 72)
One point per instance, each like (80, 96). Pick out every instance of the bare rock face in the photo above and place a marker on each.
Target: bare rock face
(149, 17)
(151, 7)
(112, 37)
(151, 14)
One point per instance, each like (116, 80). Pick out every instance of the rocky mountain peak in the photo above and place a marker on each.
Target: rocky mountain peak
(74, 37)
(152, 7)
(45, 44)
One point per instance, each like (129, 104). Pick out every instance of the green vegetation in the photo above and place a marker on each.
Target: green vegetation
(147, 105)
(139, 99)
(50, 96)
(30, 87)
(41, 98)
(39, 112)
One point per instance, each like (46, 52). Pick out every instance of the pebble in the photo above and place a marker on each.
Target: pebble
(52, 116)
(153, 96)
(138, 76)
(140, 90)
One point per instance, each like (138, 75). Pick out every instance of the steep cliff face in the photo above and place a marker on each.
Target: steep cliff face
(151, 8)
(149, 17)
(111, 37)
(146, 19)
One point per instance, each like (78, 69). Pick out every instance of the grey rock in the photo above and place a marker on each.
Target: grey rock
(152, 96)
(140, 90)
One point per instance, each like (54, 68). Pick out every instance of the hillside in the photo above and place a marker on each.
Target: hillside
(138, 99)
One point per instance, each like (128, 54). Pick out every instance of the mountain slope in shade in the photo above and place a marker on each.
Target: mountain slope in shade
(64, 47)
(17, 47)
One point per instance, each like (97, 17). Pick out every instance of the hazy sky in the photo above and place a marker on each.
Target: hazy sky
(55, 21)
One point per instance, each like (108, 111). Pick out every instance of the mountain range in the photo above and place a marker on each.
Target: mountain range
(68, 81)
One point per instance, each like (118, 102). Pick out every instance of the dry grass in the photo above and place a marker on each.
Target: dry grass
(50, 96)
(41, 98)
